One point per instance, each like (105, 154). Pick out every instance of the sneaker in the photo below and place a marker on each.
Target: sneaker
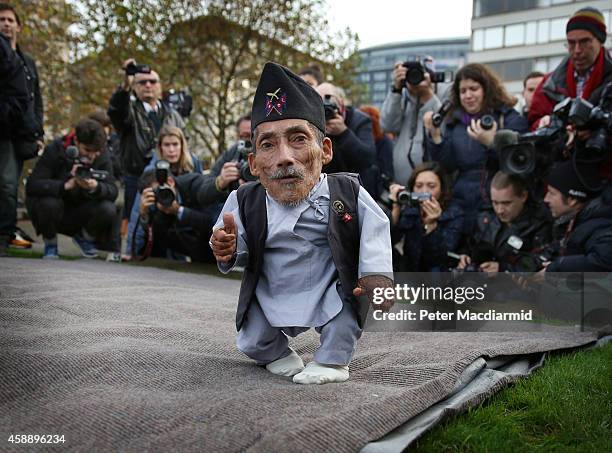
(20, 242)
(114, 257)
(51, 252)
(87, 248)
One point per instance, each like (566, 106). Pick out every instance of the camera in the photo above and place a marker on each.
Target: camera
(416, 70)
(84, 170)
(180, 101)
(164, 195)
(412, 199)
(330, 107)
(244, 148)
(438, 117)
(133, 68)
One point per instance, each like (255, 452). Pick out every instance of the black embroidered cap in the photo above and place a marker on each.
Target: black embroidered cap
(283, 95)
(580, 181)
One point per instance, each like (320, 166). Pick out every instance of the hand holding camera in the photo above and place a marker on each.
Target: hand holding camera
(334, 121)
(483, 130)
(434, 131)
(131, 68)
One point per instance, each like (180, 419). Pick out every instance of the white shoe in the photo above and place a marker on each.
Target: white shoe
(287, 366)
(318, 373)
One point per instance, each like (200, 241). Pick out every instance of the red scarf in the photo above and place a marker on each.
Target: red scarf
(595, 79)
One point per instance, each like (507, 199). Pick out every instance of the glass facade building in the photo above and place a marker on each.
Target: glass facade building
(516, 37)
(377, 62)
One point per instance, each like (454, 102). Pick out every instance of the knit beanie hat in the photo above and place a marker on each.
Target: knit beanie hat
(589, 19)
(283, 95)
(580, 181)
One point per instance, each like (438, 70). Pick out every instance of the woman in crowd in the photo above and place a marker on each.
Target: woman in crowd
(384, 155)
(463, 142)
(429, 228)
(172, 147)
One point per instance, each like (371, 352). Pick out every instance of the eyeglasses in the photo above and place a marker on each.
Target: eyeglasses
(145, 81)
(582, 43)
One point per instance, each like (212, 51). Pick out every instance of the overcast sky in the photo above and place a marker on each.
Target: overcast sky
(384, 21)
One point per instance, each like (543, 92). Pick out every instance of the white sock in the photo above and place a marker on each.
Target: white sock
(318, 373)
(287, 366)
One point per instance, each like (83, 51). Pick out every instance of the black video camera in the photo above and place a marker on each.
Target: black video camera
(330, 107)
(84, 170)
(413, 199)
(133, 68)
(438, 117)
(416, 70)
(164, 195)
(244, 148)
(179, 101)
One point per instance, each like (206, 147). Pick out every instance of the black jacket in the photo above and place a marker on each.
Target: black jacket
(354, 149)
(208, 191)
(53, 169)
(587, 245)
(533, 227)
(21, 110)
(137, 134)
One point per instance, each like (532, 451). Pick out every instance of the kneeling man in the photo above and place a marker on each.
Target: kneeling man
(314, 246)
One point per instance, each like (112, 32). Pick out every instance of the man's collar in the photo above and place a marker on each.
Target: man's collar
(148, 108)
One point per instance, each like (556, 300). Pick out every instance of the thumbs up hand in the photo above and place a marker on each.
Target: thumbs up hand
(223, 240)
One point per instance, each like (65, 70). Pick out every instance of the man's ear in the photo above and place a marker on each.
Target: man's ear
(328, 152)
(252, 165)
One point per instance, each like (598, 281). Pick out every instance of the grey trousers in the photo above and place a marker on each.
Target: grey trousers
(264, 343)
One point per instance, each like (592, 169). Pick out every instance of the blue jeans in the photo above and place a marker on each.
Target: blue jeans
(10, 171)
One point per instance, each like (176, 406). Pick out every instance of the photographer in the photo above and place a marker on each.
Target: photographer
(225, 175)
(172, 148)
(72, 191)
(430, 226)
(509, 235)
(350, 132)
(138, 114)
(480, 106)
(583, 73)
(21, 122)
(583, 219)
(171, 223)
(402, 114)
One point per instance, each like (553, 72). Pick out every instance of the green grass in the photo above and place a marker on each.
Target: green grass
(564, 406)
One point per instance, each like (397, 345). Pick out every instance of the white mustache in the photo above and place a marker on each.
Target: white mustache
(287, 172)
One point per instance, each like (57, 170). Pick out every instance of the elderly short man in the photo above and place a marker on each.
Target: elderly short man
(313, 244)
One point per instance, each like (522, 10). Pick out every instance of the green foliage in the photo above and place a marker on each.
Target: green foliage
(565, 406)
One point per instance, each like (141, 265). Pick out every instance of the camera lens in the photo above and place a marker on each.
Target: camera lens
(486, 122)
(414, 76)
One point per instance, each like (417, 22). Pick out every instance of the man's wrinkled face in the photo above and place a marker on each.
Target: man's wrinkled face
(147, 87)
(583, 48)
(530, 87)
(288, 159)
(9, 26)
(506, 204)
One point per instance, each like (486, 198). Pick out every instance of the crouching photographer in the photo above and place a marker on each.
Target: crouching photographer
(71, 191)
(171, 223)
(510, 235)
(426, 219)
